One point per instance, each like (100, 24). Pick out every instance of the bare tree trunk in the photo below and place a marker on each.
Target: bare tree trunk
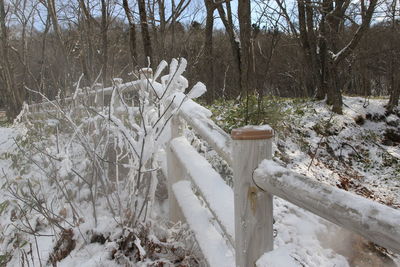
(316, 77)
(84, 31)
(333, 19)
(56, 27)
(334, 88)
(148, 52)
(87, 54)
(14, 95)
(235, 46)
(308, 41)
(394, 88)
(104, 39)
(365, 78)
(43, 82)
(307, 50)
(23, 49)
(394, 65)
(246, 62)
(323, 53)
(208, 51)
(173, 8)
(163, 23)
(132, 32)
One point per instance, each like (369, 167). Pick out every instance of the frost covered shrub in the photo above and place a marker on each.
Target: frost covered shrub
(93, 166)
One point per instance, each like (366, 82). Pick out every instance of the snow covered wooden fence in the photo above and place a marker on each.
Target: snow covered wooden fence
(234, 227)
(249, 205)
(192, 182)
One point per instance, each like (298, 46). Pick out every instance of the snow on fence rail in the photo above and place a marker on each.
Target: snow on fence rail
(217, 138)
(256, 179)
(183, 161)
(376, 222)
(235, 226)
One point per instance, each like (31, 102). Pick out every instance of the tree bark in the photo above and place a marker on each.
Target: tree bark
(51, 8)
(104, 39)
(132, 32)
(333, 18)
(208, 67)
(14, 96)
(307, 51)
(233, 40)
(163, 23)
(43, 80)
(394, 89)
(88, 54)
(246, 62)
(308, 42)
(394, 66)
(148, 52)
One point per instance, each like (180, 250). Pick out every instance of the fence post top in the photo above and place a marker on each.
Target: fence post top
(252, 132)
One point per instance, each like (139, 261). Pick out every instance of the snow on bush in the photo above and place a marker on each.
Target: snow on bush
(84, 172)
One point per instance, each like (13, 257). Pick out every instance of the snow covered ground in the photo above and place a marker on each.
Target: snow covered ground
(351, 151)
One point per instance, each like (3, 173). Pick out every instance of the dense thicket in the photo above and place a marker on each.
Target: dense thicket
(290, 51)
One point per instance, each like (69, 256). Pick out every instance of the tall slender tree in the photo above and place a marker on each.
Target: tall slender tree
(227, 20)
(132, 31)
(246, 51)
(394, 61)
(104, 39)
(148, 49)
(13, 94)
(208, 50)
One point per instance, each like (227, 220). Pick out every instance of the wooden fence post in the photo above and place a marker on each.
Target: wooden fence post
(175, 171)
(253, 207)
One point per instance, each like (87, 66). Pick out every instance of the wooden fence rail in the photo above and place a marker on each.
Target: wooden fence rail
(374, 221)
(255, 184)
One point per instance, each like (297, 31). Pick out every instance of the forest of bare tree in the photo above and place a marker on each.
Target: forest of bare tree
(319, 49)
